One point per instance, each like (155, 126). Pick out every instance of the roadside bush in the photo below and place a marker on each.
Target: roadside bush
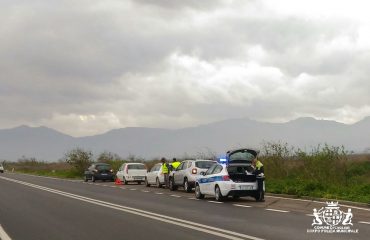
(80, 159)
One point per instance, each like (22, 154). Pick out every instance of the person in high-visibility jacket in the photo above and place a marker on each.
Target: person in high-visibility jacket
(166, 171)
(259, 171)
(258, 167)
(175, 164)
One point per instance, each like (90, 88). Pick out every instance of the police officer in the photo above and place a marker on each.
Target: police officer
(258, 166)
(259, 171)
(175, 164)
(165, 170)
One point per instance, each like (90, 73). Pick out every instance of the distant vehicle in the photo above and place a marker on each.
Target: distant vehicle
(231, 176)
(187, 172)
(1, 168)
(155, 176)
(132, 172)
(99, 171)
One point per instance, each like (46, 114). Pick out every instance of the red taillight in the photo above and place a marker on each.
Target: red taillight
(194, 171)
(226, 178)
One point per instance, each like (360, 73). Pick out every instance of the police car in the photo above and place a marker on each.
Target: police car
(231, 176)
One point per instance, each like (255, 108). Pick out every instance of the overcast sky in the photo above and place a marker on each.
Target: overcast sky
(85, 67)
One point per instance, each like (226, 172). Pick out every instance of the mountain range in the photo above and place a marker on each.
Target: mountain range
(48, 144)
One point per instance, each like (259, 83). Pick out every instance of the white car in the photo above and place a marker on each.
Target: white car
(187, 172)
(132, 172)
(1, 168)
(231, 176)
(155, 176)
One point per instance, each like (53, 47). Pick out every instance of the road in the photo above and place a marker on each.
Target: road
(39, 208)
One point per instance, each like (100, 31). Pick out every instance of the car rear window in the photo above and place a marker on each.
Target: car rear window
(204, 164)
(136, 166)
(103, 167)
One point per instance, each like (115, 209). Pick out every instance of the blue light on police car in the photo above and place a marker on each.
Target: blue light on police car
(222, 160)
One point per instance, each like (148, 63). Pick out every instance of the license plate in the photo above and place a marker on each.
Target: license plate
(104, 174)
(138, 178)
(246, 187)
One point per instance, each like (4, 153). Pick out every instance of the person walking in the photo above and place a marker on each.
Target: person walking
(165, 170)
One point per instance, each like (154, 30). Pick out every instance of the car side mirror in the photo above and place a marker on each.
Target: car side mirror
(202, 173)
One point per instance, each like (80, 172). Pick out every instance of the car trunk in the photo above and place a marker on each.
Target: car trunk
(239, 165)
(136, 170)
(241, 173)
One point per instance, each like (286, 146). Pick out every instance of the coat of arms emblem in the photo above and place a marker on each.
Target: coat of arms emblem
(331, 215)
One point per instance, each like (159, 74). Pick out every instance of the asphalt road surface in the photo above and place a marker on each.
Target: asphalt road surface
(40, 208)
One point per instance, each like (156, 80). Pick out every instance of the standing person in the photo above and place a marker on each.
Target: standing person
(259, 171)
(175, 164)
(165, 170)
(258, 166)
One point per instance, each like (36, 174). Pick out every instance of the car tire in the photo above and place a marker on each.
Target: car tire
(139, 182)
(218, 194)
(158, 183)
(187, 186)
(124, 181)
(198, 194)
(93, 179)
(85, 178)
(147, 183)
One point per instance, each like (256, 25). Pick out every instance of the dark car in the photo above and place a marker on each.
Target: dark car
(99, 171)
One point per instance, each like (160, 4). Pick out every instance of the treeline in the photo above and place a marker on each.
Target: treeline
(325, 171)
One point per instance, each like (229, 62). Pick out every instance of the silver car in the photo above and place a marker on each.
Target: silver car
(187, 172)
(155, 176)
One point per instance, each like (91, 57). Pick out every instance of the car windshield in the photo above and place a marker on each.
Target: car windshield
(204, 164)
(136, 166)
(103, 167)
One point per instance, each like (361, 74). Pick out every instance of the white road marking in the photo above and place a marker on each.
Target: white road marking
(276, 210)
(193, 198)
(3, 234)
(214, 202)
(304, 200)
(145, 191)
(364, 222)
(132, 189)
(239, 205)
(310, 215)
(177, 196)
(159, 193)
(159, 217)
(123, 188)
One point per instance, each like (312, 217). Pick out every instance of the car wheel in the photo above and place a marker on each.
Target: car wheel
(85, 178)
(198, 194)
(139, 182)
(147, 183)
(218, 194)
(158, 183)
(187, 186)
(124, 181)
(93, 178)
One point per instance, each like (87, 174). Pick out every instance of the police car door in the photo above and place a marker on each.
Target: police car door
(205, 181)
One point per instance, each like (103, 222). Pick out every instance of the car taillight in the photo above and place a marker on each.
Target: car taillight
(194, 171)
(226, 178)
